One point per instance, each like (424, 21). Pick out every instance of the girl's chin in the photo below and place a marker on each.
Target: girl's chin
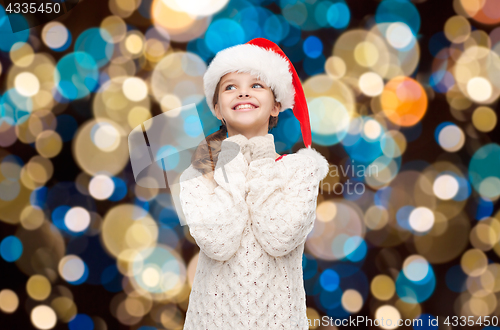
(246, 110)
(244, 123)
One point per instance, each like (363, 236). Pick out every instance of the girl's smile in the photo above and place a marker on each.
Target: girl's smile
(245, 106)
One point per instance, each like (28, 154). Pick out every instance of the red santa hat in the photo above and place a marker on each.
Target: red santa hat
(264, 59)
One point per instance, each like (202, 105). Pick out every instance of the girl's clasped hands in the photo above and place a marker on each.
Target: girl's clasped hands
(257, 147)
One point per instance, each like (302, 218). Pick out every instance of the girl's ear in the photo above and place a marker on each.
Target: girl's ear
(217, 111)
(276, 109)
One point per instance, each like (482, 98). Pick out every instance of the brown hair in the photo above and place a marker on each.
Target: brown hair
(206, 155)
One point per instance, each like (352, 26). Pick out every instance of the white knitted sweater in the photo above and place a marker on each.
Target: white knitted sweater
(251, 233)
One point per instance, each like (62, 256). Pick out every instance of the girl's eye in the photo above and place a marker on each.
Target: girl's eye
(227, 87)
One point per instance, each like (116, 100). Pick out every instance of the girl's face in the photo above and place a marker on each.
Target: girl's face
(257, 99)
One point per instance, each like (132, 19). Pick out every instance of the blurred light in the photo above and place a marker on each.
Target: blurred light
(485, 234)
(159, 270)
(338, 15)
(450, 137)
(199, 7)
(138, 115)
(484, 170)
(101, 187)
(16, 108)
(372, 129)
(92, 158)
(328, 116)
(11, 248)
(43, 317)
(352, 301)
(371, 84)
(404, 101)
(151, 276)
(329, 280)
(415, 268)
(388, 312)
(64, 308)
(48, 143)
(382, 287)
(38, 287)
(94, 42)
(479, 89)
(134, 44)
(376, 217)
(177, 25)
(393, 143)
(56, 36)
(128, 226)
(105, 136)
(39, 169)
(366, 54)
(484, 119)
(474, 262)
(71, 268)
(421, 219)
(313, 47)
(217, 38)
(8, 301)
(119, 190)
(77, 219)
(22, 55)
(484, 11)
(404, 11)
(81, 322)
(335, 67)
(414, 292)
(116, 28)
(355, 248)
(76, 75)
(27, 84)
(445, 187)
(457, 29)
(399, 35)
(135, 89)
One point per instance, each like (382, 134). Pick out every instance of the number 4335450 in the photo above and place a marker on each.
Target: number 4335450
(33, 8)
(471, 320)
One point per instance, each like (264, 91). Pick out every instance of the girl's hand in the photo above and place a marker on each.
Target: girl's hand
(239, 139)
(262, 147)
(242, 142)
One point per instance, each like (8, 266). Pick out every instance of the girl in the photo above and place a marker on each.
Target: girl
(251, 217)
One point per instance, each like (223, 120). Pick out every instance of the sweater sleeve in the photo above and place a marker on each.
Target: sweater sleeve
(216, 216)
(282, 200)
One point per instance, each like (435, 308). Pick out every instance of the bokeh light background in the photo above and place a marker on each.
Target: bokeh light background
(407, 89)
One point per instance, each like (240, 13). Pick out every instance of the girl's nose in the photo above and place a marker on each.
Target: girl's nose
(244, 95)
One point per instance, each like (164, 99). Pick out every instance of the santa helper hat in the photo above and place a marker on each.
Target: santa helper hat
(264, 59)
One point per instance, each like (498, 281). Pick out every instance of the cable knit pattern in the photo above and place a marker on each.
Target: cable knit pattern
(262, 147)
(249, 272)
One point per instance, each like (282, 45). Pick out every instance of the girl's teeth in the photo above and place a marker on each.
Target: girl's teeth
(244, 107)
